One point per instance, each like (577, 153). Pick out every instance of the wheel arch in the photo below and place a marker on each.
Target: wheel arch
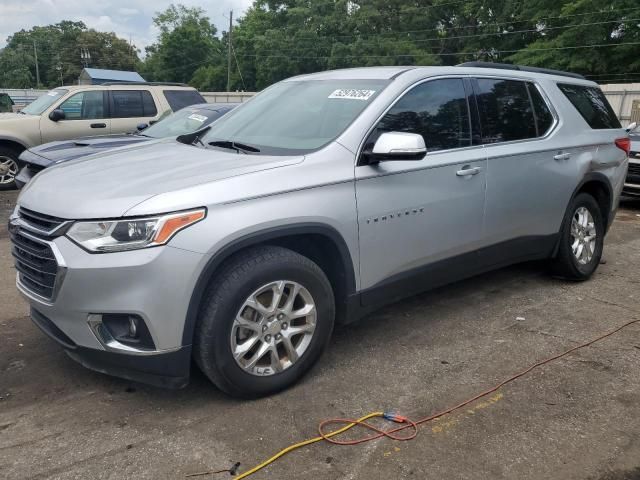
(320, 242)
(13, 143)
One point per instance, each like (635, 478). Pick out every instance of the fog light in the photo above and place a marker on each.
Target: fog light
(128, 329)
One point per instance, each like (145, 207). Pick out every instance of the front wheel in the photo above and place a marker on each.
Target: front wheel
(9, 167)
(264, 322)
(581, 239)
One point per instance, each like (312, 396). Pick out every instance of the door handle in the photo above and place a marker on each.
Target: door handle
(562, 156)
(98, 125)
(468, 171)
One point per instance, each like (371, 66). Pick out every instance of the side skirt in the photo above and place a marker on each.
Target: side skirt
(450, 270)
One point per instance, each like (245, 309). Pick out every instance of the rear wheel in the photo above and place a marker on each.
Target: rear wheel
(265, 320)
(581, 239)
(9, 168)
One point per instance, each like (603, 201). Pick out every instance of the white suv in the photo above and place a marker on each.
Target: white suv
(71, 112)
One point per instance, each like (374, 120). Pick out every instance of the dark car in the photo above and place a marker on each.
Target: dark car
(187, 120)
(6, 104)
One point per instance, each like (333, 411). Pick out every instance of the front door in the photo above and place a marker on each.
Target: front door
(85, 114)
(422, 220)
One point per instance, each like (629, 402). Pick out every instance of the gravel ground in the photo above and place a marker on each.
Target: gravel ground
(578, 418)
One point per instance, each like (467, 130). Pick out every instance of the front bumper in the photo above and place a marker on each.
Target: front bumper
(154, 284)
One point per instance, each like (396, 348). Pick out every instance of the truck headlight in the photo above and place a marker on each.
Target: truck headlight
(132, 233)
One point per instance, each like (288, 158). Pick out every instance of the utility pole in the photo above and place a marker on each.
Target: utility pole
(35, 54)
(229, 53)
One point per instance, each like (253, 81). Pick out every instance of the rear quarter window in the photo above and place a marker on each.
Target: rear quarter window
(591, 104)
(178, 99)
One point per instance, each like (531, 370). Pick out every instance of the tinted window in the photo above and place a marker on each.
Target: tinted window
(544, 117)
(178, 99)
(84, 106)
(592, 105)
(132, 103)
(505, 110)
(437, 110)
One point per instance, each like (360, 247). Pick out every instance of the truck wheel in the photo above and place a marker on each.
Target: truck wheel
(581, 239)
(9, 168)
(265, 320)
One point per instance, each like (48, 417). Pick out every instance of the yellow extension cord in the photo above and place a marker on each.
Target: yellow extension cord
(305, 443)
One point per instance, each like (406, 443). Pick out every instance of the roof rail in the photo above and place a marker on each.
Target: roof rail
(160, 84)
(508, 66)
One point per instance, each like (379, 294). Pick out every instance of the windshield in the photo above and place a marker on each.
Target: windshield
(43, 102)
(187, 120)
(295, 117)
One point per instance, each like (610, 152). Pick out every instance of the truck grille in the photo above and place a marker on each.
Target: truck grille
(634, 169)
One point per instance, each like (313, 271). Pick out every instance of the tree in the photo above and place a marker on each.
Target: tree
(187, 41)
(58, 48)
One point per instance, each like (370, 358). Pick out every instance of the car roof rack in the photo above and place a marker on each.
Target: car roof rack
(157, 84)
(508, 66)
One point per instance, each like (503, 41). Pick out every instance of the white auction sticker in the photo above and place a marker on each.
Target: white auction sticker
(197, 118)
(352, 94)
(53, 93)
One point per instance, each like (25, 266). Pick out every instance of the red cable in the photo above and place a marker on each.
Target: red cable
(390, 433)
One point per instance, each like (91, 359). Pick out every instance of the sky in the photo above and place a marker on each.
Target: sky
(124, 17)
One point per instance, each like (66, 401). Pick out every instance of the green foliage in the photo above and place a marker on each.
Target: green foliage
(187, 41)
(275, 39)
(58, 47)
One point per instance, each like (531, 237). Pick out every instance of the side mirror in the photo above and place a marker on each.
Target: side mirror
(394, 146)
(631, 127)
(141, 126)
(57, 115)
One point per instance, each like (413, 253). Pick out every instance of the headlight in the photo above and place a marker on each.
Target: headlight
(131, 233)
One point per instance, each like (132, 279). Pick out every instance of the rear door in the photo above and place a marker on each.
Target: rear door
(531, 170)
(130, 108)
(416, 218)
(86, 114)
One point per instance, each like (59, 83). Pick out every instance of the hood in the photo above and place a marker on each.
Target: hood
(7, 118)
(56, 152)
(109, 184)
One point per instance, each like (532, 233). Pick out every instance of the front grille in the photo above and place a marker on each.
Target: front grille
(35, 263)
(40, 221)
(634, 169)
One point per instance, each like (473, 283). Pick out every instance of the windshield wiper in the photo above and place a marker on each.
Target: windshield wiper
(231, 145)
(193, 137)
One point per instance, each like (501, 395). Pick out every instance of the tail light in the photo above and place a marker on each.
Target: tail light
(624, 144)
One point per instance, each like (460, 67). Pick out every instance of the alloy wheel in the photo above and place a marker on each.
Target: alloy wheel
(8, 170)
(273, 328)
(583, 235)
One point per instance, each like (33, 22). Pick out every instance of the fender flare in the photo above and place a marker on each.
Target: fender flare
(256, 238)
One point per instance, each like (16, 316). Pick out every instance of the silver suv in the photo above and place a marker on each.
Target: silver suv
(320, 199)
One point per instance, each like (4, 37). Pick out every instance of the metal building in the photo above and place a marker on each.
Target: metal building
(97, 76)
(625, 100)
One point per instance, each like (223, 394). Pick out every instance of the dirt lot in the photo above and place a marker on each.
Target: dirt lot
(578, 418)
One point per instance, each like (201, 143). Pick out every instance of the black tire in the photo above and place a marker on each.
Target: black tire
(565, 264)
(12, 155)
(238, 279)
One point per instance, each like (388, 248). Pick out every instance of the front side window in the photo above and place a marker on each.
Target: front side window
(43, 102)
(84, 106)
(132, 103)
(592, 105)
(438, 110)
(296, 117)
(506, 112)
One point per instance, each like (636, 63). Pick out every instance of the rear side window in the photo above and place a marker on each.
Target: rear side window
(592, 105)
(178, 99)
(506, 112)
(132, 103)
(544, 117)
(437, 110)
